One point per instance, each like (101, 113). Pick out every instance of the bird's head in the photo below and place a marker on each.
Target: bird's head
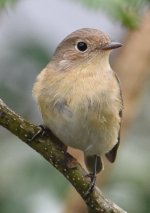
(82, 46)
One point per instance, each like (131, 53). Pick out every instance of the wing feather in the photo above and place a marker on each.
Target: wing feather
(111, 155)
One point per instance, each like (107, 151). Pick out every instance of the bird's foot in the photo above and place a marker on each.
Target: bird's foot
(41, 132)
(89, 175)
(92, 176)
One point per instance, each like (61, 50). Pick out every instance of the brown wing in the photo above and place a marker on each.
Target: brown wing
(111, 155)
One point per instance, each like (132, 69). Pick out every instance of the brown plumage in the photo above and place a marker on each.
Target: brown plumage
(79, 96)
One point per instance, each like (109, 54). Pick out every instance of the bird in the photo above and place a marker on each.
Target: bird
(80, 98)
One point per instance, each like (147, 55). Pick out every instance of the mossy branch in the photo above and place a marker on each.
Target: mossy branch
(54, 151)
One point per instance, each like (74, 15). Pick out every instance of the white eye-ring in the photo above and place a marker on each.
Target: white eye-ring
(81, 46)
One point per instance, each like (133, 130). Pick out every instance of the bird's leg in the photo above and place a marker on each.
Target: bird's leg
(41, 132)
(93, 179)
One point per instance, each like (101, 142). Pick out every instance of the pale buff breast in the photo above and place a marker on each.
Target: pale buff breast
(80, 110)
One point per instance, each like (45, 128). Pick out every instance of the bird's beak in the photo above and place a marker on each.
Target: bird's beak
(111, 45)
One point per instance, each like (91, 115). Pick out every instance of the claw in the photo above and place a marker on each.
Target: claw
(41, 132)
(89, 175)
(92, 176)
(91, 186)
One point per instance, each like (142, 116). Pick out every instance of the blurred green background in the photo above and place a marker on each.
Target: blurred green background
(29, 32)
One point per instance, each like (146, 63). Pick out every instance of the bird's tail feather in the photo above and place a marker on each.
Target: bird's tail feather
(90, 163)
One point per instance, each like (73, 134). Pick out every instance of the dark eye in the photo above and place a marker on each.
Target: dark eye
(81, 46)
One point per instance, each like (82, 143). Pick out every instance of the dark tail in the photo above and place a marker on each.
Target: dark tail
(90, 163)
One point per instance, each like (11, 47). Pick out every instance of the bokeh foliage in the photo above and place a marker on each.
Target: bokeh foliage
(3, 3)
(128, 12)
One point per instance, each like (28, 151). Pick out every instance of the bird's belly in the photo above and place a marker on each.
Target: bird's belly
(87, 131)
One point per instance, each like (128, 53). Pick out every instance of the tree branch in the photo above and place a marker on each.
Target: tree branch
(54, 151)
